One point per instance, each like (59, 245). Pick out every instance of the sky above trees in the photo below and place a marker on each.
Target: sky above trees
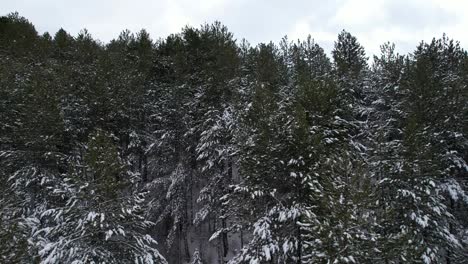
(404, 22)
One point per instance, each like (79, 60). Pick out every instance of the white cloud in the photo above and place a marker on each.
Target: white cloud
(359, 12)
(305, 27)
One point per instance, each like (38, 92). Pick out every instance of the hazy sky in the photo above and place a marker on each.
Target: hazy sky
(405, 22)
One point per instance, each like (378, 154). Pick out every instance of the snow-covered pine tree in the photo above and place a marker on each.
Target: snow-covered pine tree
(171, 152)
(266, 180)
(102, 218)
(430, 161)
(215, 126)
(338, 223)
(32, 156)
(386, 127)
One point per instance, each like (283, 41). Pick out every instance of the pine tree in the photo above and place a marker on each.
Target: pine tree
(386, 126)
(346, 233)
(425, 148)
(92, 226)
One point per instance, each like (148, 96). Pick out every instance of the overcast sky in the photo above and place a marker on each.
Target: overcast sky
(404, 22)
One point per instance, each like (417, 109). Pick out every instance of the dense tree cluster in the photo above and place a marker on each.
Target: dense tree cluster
(198, 148)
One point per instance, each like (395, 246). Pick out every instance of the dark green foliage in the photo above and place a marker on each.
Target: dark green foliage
(226, 152)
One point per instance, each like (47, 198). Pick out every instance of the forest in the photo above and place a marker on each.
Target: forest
(201, 148)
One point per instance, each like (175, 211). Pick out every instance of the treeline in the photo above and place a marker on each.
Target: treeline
(126, 152)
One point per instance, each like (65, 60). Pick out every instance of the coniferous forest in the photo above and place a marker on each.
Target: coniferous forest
(200, 148)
